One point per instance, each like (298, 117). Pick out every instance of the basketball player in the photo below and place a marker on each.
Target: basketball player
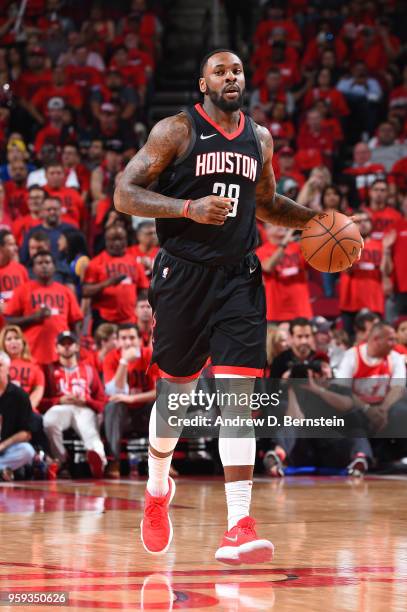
(214, 173)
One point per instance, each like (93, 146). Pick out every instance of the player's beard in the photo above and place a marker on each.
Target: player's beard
(228, 106)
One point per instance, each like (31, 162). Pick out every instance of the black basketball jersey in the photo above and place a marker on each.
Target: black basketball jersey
(219, 163)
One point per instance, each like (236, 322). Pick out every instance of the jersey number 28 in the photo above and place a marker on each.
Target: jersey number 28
(233, 192)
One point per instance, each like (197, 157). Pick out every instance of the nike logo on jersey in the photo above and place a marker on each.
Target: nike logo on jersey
(209, 136)
(231, 539)
(253, 269)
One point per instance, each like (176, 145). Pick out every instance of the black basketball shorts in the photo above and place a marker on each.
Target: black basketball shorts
(205, 311)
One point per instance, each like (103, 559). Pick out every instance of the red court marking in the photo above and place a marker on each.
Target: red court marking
(17, 499)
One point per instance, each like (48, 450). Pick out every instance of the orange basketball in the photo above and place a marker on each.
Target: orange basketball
(331, 242)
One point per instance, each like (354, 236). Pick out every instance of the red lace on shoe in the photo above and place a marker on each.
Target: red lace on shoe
(155, 512)
(247, 526)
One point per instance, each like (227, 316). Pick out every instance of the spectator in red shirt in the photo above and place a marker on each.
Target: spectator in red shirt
(276, 55)
(75, 170)
(51, 133)
(275, 18)
(106, 341)
(22, 225)
(270, 92)
(43, 308)
(384, 217)
(102, 179)
(314, 135)
(112, 280)
(398, 95)
(325, 40)
(12, 273)
(72, 204)
(324, 90)
(364, 171)
(285, 166)
(282, 130)
(398, 263)
(287, 293)
(400, 325)
(146, 248)
(70, 94)
(5, 217)
(16, 189)
(24, 372)
(36, 76)
(375, 47)
(80, 73)
(144, 314)
(130, 388)
(117, 91)
(361, 285)
(75, 396)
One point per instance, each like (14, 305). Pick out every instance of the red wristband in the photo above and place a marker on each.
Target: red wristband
(186, 208)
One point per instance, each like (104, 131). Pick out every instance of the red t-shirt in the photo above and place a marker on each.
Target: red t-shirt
(17, 199)
(73, 207)
(266, 27)
(140, 377)
(335, 99)
(82, 381)
(70, 93)
(361, 286)
(287, 292)
(22, 226)
(28, 83)
(64, 308)
(47, 135)
(400, 257)
(12, 275)
(364, 177)
(85, 77)
(136, 252)
(398, 174)
(383, 221)
(323, 141)
(26, 374)
(116, 303)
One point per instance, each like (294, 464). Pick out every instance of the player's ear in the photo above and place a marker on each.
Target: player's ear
(202, 85)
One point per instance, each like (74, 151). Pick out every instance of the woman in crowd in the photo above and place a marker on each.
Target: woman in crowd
(28, 375)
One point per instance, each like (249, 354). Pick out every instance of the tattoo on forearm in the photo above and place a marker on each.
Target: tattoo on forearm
(281, 210)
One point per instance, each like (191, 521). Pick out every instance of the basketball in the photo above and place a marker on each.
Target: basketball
(331, 242)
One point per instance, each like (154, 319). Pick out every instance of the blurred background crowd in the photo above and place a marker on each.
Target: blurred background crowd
(81, 84)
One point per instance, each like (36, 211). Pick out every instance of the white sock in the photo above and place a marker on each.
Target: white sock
(158, 470)
(238, 497)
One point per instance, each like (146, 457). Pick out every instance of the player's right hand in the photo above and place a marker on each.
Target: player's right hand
(211, 210)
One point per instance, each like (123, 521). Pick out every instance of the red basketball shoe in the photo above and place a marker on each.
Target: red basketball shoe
(156, 526)
(241, 545)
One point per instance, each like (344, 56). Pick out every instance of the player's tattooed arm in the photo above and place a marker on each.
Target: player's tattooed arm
(168, 140)
(273, 207)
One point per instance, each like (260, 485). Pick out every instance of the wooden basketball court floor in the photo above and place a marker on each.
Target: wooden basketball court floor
(341, 545)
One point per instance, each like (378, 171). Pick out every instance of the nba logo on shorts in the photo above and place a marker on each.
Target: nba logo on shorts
(165, 272)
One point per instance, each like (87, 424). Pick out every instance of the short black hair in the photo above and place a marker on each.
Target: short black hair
(364, 316)
(3, 235)
(300, 322)
(40, 236)
(124, 326)
(204, 60)
(43, 253)
(379, 180)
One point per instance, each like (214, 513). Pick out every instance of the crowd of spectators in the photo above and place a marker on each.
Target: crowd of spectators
(329, 81)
